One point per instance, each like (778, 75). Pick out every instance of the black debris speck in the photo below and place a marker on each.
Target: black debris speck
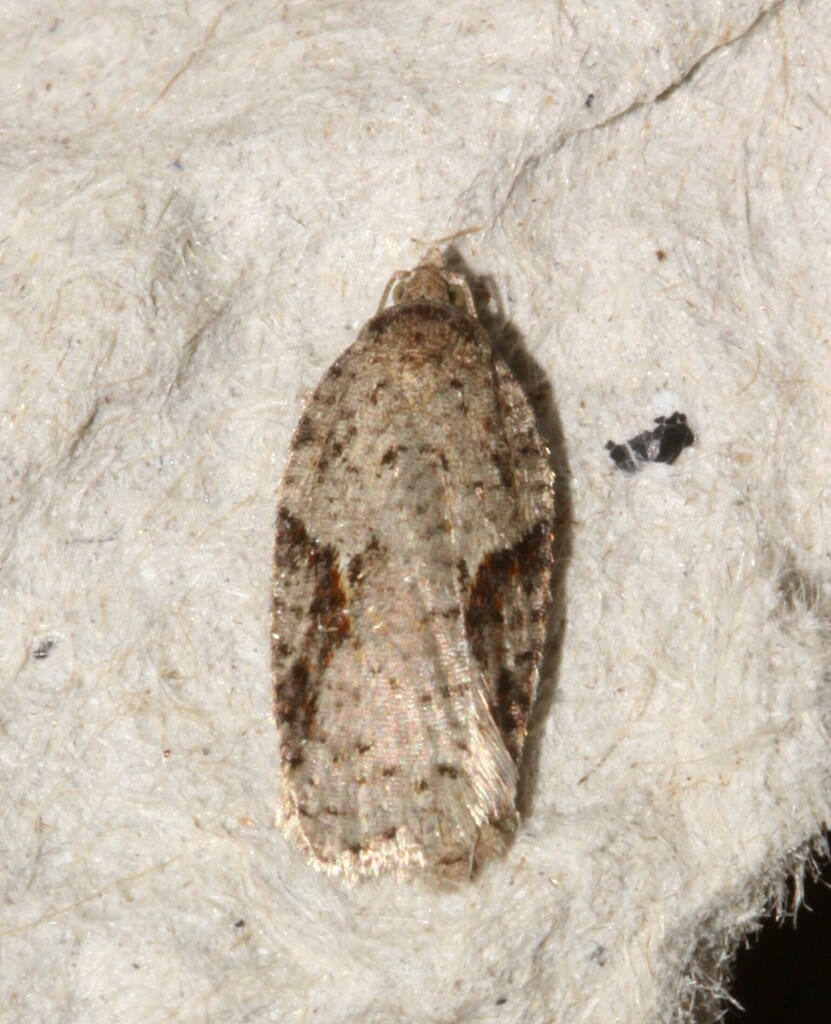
(664, 443)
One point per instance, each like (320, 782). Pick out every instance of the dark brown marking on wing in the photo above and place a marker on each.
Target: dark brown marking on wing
(362, 562)
(390, 456)
(295, 705)
(378, 392)
(503, 460)
(304, 432)
(295, 692)
(507, 592)
(510, 709)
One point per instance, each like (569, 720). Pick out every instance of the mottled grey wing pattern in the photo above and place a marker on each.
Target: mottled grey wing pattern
(412, 571)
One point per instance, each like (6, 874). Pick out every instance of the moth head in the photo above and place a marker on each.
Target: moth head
(431, 281)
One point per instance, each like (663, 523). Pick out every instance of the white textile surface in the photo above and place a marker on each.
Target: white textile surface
(201, 203)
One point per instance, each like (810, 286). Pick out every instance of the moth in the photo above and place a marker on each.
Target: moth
(412, 571)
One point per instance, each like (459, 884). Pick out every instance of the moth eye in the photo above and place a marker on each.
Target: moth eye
(457, 296)
(398, 291)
